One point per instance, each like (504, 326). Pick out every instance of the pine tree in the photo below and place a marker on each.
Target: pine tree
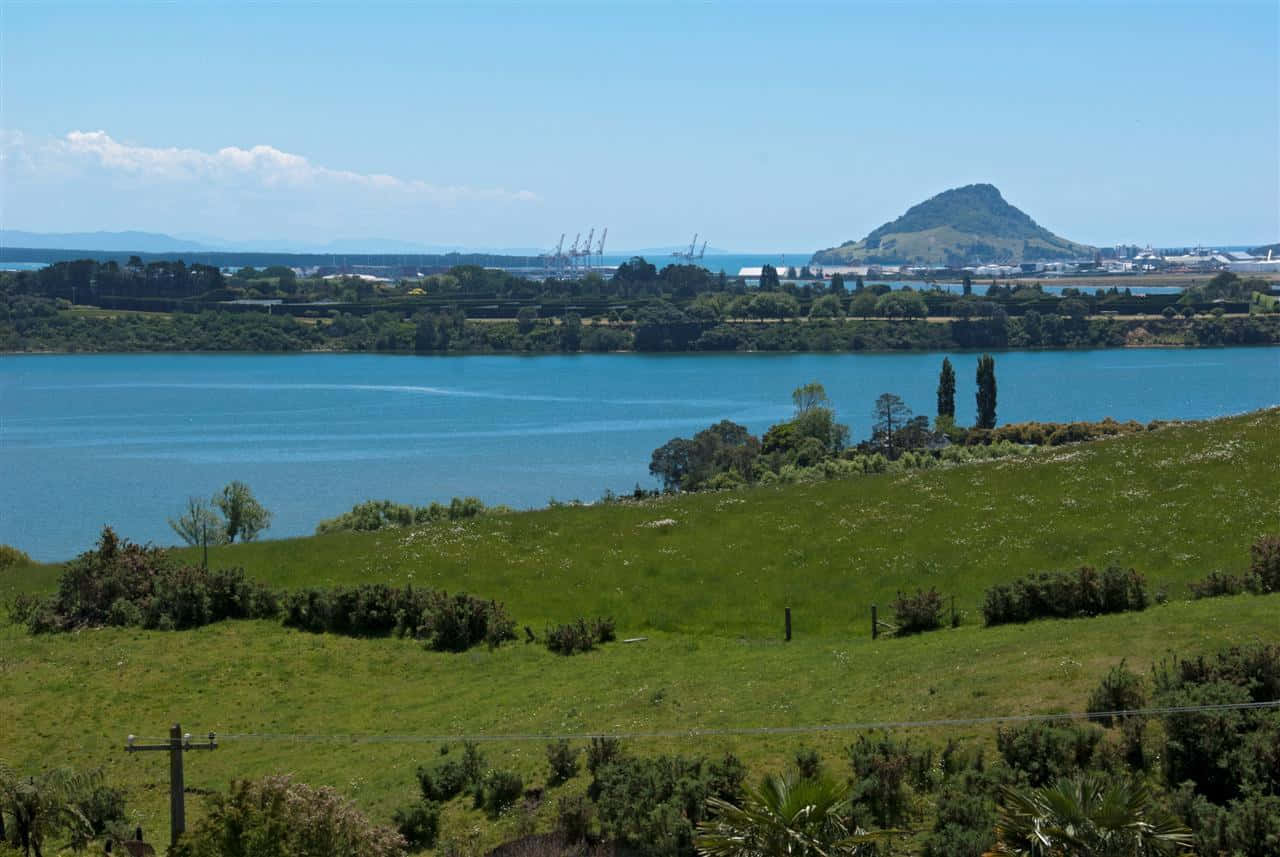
(986, 391)
(947, 390)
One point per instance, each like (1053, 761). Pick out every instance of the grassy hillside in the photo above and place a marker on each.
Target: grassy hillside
(957, 227)
(708, 593)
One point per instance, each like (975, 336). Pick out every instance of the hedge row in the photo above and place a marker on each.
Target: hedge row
(446, 623)
(1060, 594)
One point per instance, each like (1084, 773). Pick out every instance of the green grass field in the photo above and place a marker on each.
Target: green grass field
(707, 591)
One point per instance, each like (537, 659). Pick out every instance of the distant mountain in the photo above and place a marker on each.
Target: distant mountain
(154, 242)
(117, 242)
(957, 227)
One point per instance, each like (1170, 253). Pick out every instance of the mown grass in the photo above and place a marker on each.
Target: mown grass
(708, 592)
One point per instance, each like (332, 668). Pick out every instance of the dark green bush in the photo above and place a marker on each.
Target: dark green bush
(1218, 583)
(579, 636)
(1265, 562)
(1121, 689)
(652, 805)
(916, 613)
(602, 751)
(1227, 753)
(1083, 592)
(964, 824)
(419, 824)
(1043, 752)
(574, 815)
(444, 622)
(563, 760)
(886, 772)
(451, 778)
(124, 584)
(808, 763)
(499, 791)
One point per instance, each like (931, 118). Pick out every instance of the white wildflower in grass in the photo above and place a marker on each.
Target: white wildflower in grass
(661, 523)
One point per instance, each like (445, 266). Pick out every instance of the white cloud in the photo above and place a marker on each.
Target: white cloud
(263, 166)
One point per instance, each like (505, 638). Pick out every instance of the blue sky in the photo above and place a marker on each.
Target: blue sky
(763, 126)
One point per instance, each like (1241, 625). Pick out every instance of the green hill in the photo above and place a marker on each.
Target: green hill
(707, 593)
(957, 227)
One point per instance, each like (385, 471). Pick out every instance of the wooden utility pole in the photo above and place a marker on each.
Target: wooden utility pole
(177, 744)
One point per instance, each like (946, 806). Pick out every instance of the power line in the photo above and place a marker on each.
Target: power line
(696, 732)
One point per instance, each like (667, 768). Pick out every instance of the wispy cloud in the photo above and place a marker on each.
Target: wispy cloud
(264, 166)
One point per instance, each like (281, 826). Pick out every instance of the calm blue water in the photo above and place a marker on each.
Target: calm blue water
(87, 440)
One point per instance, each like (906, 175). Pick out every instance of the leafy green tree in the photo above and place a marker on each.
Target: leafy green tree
(902, 304)
(986, 394)
(827, 306)
(1087, 816)
(243, 516)
(199, 525)
(947, 390)
(809, 396)
(837, 285)
(787, 816)
(968, 285)
(863, 304)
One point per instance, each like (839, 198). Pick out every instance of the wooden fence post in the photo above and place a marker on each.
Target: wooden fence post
(875, 626)
(788, 619)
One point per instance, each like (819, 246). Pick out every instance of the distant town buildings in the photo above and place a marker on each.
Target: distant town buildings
(1121, 259)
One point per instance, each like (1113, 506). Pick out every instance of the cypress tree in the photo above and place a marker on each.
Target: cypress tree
(986, 391)
(947, 390)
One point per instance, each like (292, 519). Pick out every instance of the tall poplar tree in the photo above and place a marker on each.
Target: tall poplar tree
(986, 391)
(947, 390)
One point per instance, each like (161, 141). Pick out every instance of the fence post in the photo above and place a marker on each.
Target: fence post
(875, 626)
(953, 611)
(788, 620)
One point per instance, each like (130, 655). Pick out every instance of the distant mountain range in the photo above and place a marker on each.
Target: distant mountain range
(155, 242)
(957, 227)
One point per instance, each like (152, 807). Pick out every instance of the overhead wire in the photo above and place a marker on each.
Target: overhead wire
(747, 731)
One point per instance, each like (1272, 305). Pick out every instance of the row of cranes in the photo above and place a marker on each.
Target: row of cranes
(580, 258)
(689, 255)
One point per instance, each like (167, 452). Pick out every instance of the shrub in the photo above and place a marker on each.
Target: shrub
(563, 760)
(374, 515)
(919, 612)
(808, 763)
(885, 771)
(1217, 583)
(652, 805)
(1043, 752)
(1059, 594)
(1121, 690)
(11, 556)
(964, 825)
(1265, 562)
(500, 790)
(124, 584)
(445, 623)
(276, 817)
(450, 779)
(418, 825)
(574, 815)
(1227, 752)
(602, 751)
(579, 636)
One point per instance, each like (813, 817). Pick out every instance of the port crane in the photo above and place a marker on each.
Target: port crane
(692, 254)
